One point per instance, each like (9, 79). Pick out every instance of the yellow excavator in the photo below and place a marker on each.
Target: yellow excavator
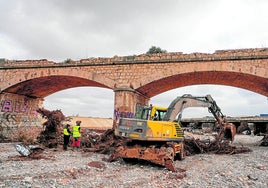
(156, 135)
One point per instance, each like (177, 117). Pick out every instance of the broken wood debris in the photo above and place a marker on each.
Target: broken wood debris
(108, 142)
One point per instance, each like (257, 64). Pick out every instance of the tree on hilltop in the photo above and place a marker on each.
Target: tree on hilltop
(155, 50)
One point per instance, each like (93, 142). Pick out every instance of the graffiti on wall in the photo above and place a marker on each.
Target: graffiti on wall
(118, 115)
(18, 106)
(18, 110)
(8, 119)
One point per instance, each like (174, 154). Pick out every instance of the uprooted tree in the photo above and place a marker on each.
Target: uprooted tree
(49, 136)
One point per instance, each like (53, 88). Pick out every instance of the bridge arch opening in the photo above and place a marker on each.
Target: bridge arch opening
(72, 95)
(236, 79)
(82, 101)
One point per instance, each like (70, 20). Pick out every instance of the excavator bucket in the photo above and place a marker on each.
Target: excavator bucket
(229, 131)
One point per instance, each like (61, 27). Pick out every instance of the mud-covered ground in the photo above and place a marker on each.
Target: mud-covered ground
(58, 168)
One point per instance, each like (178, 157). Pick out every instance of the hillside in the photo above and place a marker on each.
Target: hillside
(91, 122)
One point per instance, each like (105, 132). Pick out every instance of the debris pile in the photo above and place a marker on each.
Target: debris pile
(104, 143)
(217, 146)
(245, 129)
(108, 142)
(264, 141)
(51, 135)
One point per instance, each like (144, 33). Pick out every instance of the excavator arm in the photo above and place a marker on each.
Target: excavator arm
(177, 106)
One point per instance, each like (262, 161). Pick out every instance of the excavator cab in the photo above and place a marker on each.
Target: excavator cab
(155, 113)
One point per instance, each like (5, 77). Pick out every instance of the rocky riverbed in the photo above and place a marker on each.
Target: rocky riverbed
(58, 168)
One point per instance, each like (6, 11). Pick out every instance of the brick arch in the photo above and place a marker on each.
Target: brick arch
(240, 80)
(43, 86)
(43, 82)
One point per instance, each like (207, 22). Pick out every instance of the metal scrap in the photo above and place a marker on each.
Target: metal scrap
(30, 151)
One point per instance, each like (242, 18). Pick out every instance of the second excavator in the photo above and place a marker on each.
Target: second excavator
(156, 135)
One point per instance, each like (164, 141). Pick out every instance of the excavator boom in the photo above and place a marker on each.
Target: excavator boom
(177, 106)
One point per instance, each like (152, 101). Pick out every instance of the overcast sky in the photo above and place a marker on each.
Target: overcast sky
(61, 29)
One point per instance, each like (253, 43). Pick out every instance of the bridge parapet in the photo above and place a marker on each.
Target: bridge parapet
(25, 63)
(219, 55)
(252, 53)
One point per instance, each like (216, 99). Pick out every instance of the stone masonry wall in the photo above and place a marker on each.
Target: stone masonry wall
(244, 68)
(17, 111)
(162, 57)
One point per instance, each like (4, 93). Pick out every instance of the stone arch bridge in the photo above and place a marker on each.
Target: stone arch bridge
(134, 79)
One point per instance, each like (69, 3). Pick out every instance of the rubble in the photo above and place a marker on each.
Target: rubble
(108, 143)
(212, 144)
(30, 151)
(96, 164)
(104, 143)
(87, 169)
(264, 141)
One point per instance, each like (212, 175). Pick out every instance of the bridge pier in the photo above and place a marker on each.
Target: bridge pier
(125, 102)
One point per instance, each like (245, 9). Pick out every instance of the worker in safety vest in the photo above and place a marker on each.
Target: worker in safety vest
(66, 136)
(76, 135)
